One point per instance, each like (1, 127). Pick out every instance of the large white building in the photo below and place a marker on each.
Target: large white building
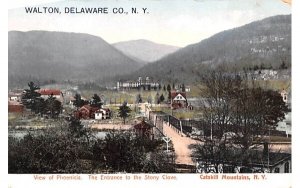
(146, 83)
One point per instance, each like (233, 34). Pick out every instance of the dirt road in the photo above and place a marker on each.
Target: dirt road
(181, 145)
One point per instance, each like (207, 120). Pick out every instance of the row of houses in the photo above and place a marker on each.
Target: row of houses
(85, 112)
(89, 112)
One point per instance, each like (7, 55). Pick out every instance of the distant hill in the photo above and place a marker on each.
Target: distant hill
(145, 50)
(264, 43)
(43, 55)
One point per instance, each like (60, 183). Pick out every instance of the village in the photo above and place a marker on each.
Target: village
(149, 109)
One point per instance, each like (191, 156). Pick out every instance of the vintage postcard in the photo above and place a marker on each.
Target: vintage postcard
(150, 93)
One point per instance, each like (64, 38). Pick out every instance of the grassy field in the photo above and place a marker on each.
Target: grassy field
(275, 84)
(120, 96)
(130, 96)
(180, 113)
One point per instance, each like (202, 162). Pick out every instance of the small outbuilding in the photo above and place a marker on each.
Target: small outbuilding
(144, 129)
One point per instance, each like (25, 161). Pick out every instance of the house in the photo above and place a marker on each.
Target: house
(286, 124)
(280, 163)
(260, 161)
(103, 113)
(86, 112)
(144, 129)
(178, 100)
(15, 107)
(187, 88)
(45, 93)
(14, 97)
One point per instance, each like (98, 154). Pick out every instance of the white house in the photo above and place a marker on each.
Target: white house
(103, 113)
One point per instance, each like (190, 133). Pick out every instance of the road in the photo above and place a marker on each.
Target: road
(180, 144)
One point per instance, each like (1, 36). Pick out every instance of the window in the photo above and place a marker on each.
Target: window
(287, 167)
(277, 170)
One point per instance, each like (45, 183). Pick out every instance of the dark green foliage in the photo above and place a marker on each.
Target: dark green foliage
(124, 111)
(77, 130)
(62, 150)
(183, 88)
(138, 98)
(32, 100)
(50, 152)
(31, 97)
(123, 152)
(96, 101)
(169, 92)
(159, 87)
(169, 88)
(283, 65)
(78, 102)
(162, 98)
(53, 106)
(157, 98)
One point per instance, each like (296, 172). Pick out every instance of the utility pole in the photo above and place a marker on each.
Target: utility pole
(167, 140)
(211, 128)
(180, 123)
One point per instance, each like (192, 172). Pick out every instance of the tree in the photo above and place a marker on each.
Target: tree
(40, 106)
(159, 87)
(235, 103)
(124, 112)
(164, 88)
(173, 86)
(124, 152)
(183, 88)
(96, 101)
(157, 98)
(138, 98)
(53, 150)
(162, 98)
(78, 102)
(169, 92)
(77, 130)
(73, 149)
(283, 65)
(53, 106)
(31, 97)
(168, 88)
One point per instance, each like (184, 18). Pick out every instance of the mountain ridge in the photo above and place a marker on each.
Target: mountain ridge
(145, 50)
(265, 43)
(64, 56)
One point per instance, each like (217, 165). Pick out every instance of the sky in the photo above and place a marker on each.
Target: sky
(173, 22)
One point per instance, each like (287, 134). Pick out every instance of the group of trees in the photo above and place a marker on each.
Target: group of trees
(159, 98)
(235, 103)
(73, 148)
(32, 100)
(95, 101)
